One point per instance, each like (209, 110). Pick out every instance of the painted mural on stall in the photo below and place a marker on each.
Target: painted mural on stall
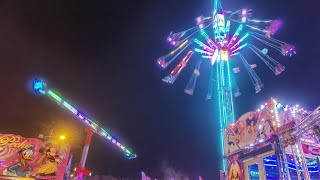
(30, 157)
(235, 170)
(242, 133)
(257, 126)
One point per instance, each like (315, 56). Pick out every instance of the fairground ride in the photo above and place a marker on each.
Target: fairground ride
(40, 87)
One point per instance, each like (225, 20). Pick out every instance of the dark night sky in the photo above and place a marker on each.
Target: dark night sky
(101, 56)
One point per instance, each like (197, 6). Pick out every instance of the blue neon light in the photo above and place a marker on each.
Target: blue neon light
(38, 86)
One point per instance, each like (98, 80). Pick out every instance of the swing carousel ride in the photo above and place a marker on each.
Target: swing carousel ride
(213, 42)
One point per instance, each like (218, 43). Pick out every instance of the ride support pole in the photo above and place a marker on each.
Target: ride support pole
(85, 151)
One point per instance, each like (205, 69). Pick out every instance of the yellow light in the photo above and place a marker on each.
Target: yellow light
(179, 47)
(224, 55)
(62, 137)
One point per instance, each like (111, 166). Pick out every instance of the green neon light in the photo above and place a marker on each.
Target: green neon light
(244, 37)
(231, 94)
(226, 113)
(89, 122)
(239, 30)
(221, 107)
(68, 106)
(215, 7)
(197, 50)
(203, 33)
(228, 27)
(55, 96)
(199, 43)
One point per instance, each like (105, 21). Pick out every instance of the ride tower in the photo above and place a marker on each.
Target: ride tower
(223, 76)
(212, 43)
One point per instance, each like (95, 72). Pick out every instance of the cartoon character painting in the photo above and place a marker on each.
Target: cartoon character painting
(231, 139)
(247, 128)
(266, 130)
(234, 171)
(241, 134)
(49, 161)
(31, 157)
(22, 168)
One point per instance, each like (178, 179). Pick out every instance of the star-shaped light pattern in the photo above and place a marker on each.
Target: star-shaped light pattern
(213, 40)
(222, 47)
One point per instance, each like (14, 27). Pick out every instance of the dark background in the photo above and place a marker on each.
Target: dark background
(101, 56)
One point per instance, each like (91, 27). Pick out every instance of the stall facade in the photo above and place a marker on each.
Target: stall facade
(274, 142)
(31, 158)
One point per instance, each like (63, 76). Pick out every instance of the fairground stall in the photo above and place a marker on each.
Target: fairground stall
(32, 158)
(274, 142)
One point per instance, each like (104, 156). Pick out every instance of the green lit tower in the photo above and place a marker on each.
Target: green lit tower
(211, 40)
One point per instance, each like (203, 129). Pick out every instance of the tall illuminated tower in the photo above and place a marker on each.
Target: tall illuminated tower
(224, 86)
(212, 40)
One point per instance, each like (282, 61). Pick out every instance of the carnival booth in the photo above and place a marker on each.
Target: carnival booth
(275, 142)
(30, 158)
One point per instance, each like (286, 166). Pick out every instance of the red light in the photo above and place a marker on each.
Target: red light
(82, 171)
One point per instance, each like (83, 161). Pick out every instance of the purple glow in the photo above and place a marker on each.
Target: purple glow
(199, 19)
(274, 26)
(244, 12)
(80, 116)
(288, 50)
(162, 62)
(279, 69)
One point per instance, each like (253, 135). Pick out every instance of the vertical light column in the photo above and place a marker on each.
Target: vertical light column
(226, 112)
(224, 85)
(221, 110)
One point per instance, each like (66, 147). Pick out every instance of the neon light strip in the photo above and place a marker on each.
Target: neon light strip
(179, 47)
(204, 52)
(234, 54)
(230, 86)
(221, 117)
(208, 39)
(201, 44)
(91, 124)
(244, 45)
(227, 31)
(55, 96)
(68, 106)
(236, 34)
(243, 38)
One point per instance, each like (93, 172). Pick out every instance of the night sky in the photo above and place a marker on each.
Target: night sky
(101, 56)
